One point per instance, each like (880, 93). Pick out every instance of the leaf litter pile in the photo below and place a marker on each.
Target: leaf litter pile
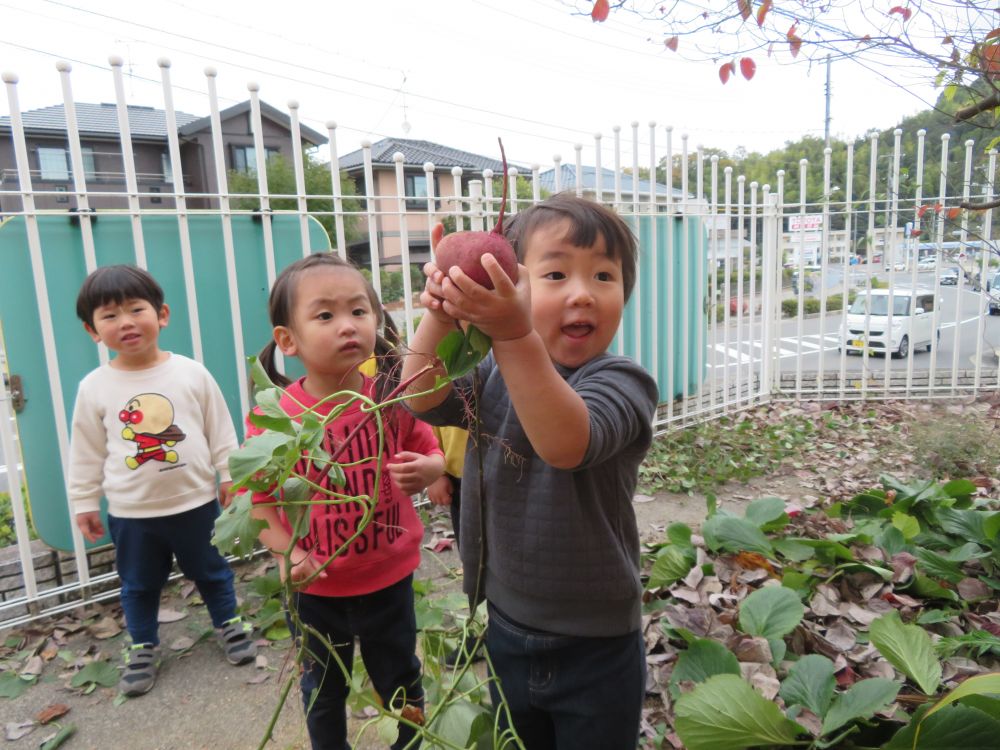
(860, 613)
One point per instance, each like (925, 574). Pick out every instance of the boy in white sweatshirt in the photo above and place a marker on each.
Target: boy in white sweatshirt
(152, 434)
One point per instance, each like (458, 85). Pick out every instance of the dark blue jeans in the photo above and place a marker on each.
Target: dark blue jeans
(567, 692)
(144, 552)
(386, 626)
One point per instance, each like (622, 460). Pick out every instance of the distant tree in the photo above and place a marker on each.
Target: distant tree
(281, 181)
(954, 43)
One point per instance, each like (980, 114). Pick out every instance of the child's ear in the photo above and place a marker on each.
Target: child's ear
(285, 341)
(164, 315)
(92, 333)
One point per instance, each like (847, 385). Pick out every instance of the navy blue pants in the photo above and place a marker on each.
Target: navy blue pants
(567, 692)
(144, 552)
(386, 626)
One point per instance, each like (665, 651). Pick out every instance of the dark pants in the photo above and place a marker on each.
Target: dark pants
(386, 626)
(567, 692)
(456, 505)
(144, 552)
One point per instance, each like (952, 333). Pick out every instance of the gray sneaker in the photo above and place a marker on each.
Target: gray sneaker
(236, 639)
(142, 661)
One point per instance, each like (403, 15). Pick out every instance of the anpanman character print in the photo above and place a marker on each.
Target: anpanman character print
(149, 423)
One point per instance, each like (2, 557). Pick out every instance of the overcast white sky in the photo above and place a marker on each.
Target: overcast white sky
(526, 70)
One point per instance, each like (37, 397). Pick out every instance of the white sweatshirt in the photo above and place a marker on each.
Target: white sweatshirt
(152, 441)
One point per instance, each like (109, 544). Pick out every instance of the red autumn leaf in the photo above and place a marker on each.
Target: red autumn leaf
(937, 208)
(989, 61)
(795, 44)
(770, 49)
(726, 70)
(921, 211)
(745, 9)
(947, 40)
(790, 34)
(51, 712)
(748, 67)
(672, 43)
(953, 212)
(904, 12)
(762, 12)
(916, 232)
(991, 35)
(600, 11)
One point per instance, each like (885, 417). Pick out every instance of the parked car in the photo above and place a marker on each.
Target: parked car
(911, 322)
(928, 264)
(949, 277)
(993, 293)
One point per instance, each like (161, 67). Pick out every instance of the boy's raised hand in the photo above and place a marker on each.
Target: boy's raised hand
(90, 525)
(502, 313)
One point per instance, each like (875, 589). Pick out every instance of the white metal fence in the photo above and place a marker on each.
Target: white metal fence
(766, 279)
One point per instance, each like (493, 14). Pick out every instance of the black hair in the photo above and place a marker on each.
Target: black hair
(587, 220)
(281, 305)
(113, 285)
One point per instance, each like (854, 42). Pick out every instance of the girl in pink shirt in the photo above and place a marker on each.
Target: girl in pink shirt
(326, 314)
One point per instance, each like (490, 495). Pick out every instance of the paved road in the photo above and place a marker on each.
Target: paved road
(815, 342)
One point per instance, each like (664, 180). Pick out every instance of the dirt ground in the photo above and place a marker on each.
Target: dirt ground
(200, 701)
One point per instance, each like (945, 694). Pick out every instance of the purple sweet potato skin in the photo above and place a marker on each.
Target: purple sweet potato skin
(466, 249)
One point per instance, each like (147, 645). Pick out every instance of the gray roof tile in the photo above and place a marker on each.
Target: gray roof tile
(567, 180)
(415, 153)
(98, 120)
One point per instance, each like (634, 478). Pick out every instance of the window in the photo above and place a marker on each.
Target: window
(52, 164)
(89, 170)
(415, 190)
(926, 302)
(155, 198)
(61, 198)
(168, 170)
(245, 157)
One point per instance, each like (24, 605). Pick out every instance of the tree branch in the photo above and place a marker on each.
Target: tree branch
(970, 206)
(967, 113)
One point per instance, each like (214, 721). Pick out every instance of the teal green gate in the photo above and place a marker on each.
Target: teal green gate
(672, 278)
(64, 270)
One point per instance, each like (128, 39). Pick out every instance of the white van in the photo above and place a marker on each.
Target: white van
(912, 322)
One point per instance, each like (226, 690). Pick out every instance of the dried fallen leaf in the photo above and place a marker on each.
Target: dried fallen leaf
(182, 644)
(106, 627)
(170, 615)
(413, 713)
(51, 712)
(33, 667)
(256, 678)
(15, 730)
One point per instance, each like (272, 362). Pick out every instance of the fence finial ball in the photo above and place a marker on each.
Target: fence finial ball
(115, 61)
(366, 144)
(253, 86)
(9, 77)
(398, 157)
(163, 62)
(63, 67)
(331, 124)
(211, 72)
(293, 103)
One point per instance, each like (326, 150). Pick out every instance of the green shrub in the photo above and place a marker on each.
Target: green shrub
(7, 534)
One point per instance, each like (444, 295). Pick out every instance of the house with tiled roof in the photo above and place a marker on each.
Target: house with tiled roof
(103, 166)
(416, 154)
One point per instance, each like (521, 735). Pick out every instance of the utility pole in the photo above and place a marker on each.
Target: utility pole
(826, 128)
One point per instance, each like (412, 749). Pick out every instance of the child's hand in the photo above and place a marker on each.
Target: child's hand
(304, 565)
(431, 297)
(90, 525)
(225, 493)
(502, 313)
(412, 472)
(439, 491)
